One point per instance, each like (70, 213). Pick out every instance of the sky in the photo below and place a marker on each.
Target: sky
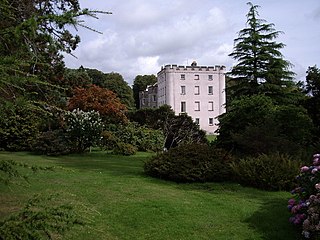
(140, 36)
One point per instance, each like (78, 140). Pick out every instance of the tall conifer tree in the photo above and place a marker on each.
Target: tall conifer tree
(260, 67)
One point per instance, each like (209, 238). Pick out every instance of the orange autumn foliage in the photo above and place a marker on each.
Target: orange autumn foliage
(99, 99)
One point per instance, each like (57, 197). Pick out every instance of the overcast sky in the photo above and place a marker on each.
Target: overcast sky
(142, 35)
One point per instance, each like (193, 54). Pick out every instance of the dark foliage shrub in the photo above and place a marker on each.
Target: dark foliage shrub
(141, 137)
(52, 143)
(124, 149)
(20, 124)
(109, 140)
(268, 172)
(190, 163)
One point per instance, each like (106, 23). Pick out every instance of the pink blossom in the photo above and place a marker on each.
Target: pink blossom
(316, 155)
(317, 186)
(291, 201)
(316, 161)
(304, 169)
(314, 170)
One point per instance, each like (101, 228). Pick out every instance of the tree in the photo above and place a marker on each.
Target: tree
(33, 35)
(260, 62)
(75, 78)
(257, 124)
(83, 128)
(140, 84)
(114, 82)
(312, 104)
(101, 100)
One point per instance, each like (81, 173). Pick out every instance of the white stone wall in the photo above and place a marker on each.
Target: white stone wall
(196, 78)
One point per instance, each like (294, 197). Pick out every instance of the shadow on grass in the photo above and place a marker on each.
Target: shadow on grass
(272, 225)
(116, 165)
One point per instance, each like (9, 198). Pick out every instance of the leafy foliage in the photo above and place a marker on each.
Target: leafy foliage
(305, 206)
(259, 56)
(41, 218)
(182, 129)
(114, 82)
(53, 143)
(312, 103)
(268, 172)
(83, 128)
(190, 163)
(255, 124)
(101, 100)
(141, 137)
(20, 124)
(33, 35)
(10, 171)
(125, 149)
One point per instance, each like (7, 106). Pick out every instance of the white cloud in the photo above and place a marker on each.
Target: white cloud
(141, 35)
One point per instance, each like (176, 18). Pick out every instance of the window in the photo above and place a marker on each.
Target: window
(196, 77)
(197, 121)
(196, 90)
(210, 121)
(210, 106)
(210, 78)
(154, 98)
(210, 90)
(183, 107)
(183, 76)
(197, 106)
(183, 90)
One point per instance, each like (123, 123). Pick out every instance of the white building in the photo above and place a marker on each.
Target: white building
(198, 91)
(149, 97)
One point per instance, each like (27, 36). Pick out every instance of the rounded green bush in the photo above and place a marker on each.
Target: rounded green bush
(125, 149)
(267, 171)
(190, 163)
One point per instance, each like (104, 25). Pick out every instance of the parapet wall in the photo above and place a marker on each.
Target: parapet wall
(193, 68)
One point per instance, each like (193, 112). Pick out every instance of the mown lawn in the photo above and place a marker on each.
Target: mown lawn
(118, 201)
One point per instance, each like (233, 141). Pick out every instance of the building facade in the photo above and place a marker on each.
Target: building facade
(198, 91)
(149, 97)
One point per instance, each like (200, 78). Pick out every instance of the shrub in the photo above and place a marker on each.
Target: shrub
(19, 125)
(190, 163)
(305, 206)
(269, 172)
(124, 149)
(141, 137)
(52, 143)
(83, 128)
(109, 140)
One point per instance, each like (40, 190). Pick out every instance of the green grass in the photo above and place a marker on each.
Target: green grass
(119, 202)
(211, 138)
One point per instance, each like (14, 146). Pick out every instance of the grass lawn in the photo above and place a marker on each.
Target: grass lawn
(119, 202)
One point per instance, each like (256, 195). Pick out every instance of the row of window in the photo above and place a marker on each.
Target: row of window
(196, 77)
(196, 90)
(196, 106)
(197, 121)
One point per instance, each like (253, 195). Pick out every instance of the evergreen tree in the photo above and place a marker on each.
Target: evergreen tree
(260, 67)
(140, 84)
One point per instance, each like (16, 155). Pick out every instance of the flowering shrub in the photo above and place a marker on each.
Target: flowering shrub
(83, 128)
(305, 206)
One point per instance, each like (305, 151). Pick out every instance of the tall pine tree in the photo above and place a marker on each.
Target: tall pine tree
(260, 67)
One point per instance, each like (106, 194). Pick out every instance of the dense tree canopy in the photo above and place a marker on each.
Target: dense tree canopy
(101, 100)
(33, 35)
(260, 62)
(114, 82)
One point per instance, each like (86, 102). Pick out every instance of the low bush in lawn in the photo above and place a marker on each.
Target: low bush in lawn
(267, 171)
(190, 163)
